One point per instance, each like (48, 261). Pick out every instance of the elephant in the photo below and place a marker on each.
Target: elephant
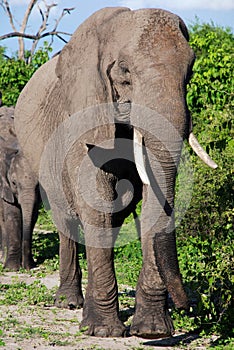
(102, 125)
(20, 198)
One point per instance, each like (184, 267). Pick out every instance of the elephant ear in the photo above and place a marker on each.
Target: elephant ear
(5, 189)
(6, 192)
(82, 79)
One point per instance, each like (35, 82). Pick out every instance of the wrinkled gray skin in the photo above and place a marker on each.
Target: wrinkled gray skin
(123, 58)
(19, 198)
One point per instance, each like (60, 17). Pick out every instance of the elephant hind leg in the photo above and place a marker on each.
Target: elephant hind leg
(69, 294)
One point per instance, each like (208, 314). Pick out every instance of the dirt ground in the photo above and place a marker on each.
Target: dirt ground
(44, 328)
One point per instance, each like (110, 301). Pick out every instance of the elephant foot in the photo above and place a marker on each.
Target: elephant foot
(106, 327)
(152, 321)
(69, 298)
(2, 256)
(29, 264)
(101, 320)
(12, 265)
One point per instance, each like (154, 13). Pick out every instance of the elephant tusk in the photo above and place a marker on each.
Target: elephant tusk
(138, 156)
(201, 152)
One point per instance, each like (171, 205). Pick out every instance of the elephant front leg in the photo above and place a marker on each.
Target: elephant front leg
(151, 319)
(100, 313)
(69, 294)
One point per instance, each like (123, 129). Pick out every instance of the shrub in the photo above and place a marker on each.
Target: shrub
(213, 71)
(15, 73)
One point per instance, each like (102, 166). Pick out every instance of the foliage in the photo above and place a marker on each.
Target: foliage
(15, 73)
(44, 221)
(213, 71)
(207, 270)
(36, 293)
(224, 344)
(128, 262)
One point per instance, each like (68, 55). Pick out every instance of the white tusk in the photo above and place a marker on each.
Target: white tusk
(138, 155)
(201, 152)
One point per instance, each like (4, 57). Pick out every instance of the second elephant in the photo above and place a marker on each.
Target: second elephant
(19, 198)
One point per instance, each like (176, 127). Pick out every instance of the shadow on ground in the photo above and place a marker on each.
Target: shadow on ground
(184, 339)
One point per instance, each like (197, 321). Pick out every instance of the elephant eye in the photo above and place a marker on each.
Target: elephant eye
(125, 70)
(126, 82)
(123, 66)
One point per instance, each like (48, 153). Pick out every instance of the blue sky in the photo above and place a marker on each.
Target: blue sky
(221, 12)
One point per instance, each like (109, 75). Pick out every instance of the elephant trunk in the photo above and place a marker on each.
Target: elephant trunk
(157, 147)
(159, 128)
(157, 215)
(28, 203)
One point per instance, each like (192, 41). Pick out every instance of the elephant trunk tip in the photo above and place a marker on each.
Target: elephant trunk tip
(178, 295)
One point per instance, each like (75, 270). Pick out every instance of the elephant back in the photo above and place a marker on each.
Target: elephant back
(29, 112)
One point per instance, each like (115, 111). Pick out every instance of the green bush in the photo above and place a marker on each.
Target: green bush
(207, 270)
(15, 73)
(213, 71)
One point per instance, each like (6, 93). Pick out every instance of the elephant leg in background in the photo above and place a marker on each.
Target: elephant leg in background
(12, 218)
(2, 235)
(69, 294)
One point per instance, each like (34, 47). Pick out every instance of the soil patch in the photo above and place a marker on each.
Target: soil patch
(47, 327)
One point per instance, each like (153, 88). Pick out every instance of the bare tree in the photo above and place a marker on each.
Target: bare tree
(42, 31)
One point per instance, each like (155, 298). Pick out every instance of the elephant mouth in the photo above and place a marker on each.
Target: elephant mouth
(139, 157)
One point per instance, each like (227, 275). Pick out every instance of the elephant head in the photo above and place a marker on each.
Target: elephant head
(130, 58)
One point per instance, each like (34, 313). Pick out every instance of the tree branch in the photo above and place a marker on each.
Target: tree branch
(7, 9)
(23, 27)
(41, 33)
(64, 12)
(42, 28)
(31, 36)
(26, 15)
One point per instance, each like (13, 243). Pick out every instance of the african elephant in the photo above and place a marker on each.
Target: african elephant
(102, 125)
(19, 198)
